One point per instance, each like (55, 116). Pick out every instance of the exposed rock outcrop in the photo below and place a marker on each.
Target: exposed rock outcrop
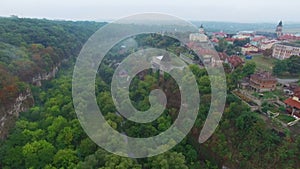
(9, 114)
(37, 80)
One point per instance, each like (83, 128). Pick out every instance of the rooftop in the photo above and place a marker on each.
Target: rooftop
(235, 61)
(290, 44)
(292, 103)
(263, 76)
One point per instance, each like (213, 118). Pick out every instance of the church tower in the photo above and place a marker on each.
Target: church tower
(279, 29)
(201, 29)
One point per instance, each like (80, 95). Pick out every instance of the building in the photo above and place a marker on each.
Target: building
(263, 82)
(204, 50)
(223, 56)
(200, 36)
(269, 35)
(293, 105)
(161, 62)
(268, 44)
(235, 61)
(256, 40)
(219, 35)
(283, 51)
(289, 37)
(279, 30)
(207, 59)
(248, 48)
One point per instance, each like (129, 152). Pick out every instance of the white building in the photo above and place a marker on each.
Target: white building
(200, 36)
(285, 50)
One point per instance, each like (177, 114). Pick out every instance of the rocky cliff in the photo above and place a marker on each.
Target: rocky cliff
(10, 113)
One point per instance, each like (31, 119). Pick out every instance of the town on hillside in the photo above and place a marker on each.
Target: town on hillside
(273, 88)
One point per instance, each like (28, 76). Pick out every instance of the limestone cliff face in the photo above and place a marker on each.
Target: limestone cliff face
(9, 114)
(37, 80)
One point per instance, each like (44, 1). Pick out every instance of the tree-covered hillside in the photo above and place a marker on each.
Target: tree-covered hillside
(49, 135)
(32, 50)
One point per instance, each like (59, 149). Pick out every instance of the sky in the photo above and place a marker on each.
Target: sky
(245, 11)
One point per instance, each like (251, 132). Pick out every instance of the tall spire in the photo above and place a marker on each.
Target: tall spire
(280, 23)
(201, 29)
(279, 29)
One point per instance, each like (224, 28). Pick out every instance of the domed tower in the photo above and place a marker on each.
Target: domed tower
(201, 29)
(279, 29)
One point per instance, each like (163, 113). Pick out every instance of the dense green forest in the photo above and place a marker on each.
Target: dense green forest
(29, 47)
(288, 67)
(32, 50)
(49, 135)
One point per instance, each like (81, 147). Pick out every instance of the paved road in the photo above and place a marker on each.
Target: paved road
(285, 81)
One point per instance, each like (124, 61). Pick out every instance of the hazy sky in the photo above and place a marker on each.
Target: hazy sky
(204, 10)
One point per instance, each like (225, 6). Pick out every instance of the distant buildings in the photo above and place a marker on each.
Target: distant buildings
(219, 35)
(262, 82)
(244, 35)
(248, 48)
(285, 50)
(289, 37)
(235, 61)
(268, 44)
(204, 48)
(200, 36)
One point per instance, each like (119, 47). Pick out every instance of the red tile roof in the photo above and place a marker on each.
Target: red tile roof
(220, 34)
(289, 37)
(292, 103)
(235, 61)
(223, 55)
(230, 39)
(201, 50)
(215, 40)
(259, 38)
(248, 45)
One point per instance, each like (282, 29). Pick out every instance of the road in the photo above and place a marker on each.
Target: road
(285, 81)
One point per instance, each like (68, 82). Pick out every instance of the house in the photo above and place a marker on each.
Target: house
(215, 40)
(283, 51)
(205, 51)
(235, 61)
(230, 40)
(223, 56)
(289, 37)
(207, 59)
(219, 35)
(293, 105)
(248, 48)
(161, 62)
(267, 44)
(244, 35)
(256, 40)
(263, 82)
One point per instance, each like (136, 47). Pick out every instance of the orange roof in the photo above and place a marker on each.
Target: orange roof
(235, 61)
(292, 103)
